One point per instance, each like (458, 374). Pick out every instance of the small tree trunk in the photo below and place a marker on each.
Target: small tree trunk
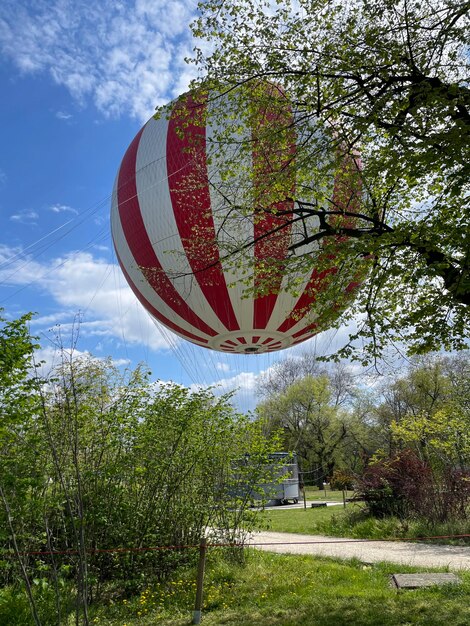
(24, 573)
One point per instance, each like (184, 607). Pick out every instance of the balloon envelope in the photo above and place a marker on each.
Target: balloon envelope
(197, 264)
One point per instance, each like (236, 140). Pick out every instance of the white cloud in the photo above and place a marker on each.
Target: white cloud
(25, 217)
(62, 208)
(243, 385)
(61, 115)
(222, 367)
(16, 268)
(79, 282)
(50, 357)
(53, 319)
(243, 381)
(125, 57)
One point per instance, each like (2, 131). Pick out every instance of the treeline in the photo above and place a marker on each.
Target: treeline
(94, 462)
(403, 442)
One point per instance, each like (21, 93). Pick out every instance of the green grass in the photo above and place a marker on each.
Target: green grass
(280, 590)
(353, 522)
(306, 521)
(313, 493)
(293, 591)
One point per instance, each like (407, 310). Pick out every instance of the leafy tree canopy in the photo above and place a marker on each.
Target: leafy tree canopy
(384, 80)
(311, 424)
(17, 398)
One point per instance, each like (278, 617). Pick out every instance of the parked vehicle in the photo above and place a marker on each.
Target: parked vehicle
(283, 486)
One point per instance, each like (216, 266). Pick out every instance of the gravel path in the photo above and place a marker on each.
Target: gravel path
(405, 553)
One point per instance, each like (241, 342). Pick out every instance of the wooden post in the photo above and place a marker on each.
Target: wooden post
(344, 499)
(200, 582)
(301, 479)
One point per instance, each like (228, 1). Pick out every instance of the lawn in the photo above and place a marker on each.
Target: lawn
(353, 522)
(305, 521)
(274, 589)
(293, 591)
(313, 493)
(280, 590)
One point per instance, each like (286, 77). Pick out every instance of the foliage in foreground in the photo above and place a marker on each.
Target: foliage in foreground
(389, 81)
(96, 466)
(288, 591)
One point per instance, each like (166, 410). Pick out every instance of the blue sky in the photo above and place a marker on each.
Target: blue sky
(78, 79)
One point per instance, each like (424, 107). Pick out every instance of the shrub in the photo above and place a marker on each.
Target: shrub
(341, 480)
(110, 462)
(400, 486)
(454, 497)
(406, 486)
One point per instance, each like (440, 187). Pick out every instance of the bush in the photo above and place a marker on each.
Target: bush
(109, 462)
(400, 486)
(406, 486)
(341, 480)
(454, 498)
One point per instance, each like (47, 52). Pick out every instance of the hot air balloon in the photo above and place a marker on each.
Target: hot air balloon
(197, 262)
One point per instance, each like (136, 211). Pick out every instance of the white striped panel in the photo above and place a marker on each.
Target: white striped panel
(286, 300)
(232, 229)
(160, 224)
(139, 280)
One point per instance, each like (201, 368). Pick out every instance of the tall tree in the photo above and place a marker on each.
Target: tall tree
(384, 79)
(431, 386)
(287, 371)
(311, 424)
(20, 458)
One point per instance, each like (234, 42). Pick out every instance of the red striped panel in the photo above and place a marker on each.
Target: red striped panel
(347, 190)
(306, 300)
(306, 330)
(139, 243)
(302, 339)
(345, 195)
(274, 246)
(151, 309)
(268, 163)
(190, 198)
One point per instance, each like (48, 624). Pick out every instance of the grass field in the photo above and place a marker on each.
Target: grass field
(281, 590)
(313, 493)
(351, 522)
(294, 591)
(273, 589)
(306, 521)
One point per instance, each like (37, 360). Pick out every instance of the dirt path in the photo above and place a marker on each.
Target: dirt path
(405, 553)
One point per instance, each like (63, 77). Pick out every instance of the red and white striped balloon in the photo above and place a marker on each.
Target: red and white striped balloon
(171, 230)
